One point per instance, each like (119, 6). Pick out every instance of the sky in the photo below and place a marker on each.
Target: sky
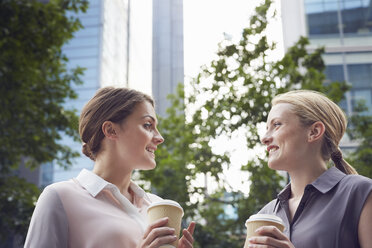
(205, 22)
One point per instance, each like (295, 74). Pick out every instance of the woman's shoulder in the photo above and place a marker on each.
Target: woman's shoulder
(357, 181)
(51, 195)
(269, 208)
(355, 187)
(59, 188)
(63, 185)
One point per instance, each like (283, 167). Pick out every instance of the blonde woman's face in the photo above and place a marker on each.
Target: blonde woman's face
(285, 138)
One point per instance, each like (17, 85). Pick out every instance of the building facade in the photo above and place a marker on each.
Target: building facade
(344, 28)
(101, 47)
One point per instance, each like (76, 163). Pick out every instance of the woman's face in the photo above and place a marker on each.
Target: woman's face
(285, 138)
(138, 137)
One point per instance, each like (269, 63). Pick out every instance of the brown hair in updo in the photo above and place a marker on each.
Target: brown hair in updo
(312, 106)
(108, 104)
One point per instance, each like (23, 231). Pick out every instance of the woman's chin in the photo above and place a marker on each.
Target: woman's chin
(148, 167)
(273, 165)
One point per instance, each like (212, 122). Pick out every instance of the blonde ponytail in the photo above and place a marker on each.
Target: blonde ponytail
(341, 163)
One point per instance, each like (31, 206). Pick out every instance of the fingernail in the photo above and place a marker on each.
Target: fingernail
(258, 230)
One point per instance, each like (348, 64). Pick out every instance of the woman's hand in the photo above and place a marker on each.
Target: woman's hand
(270, 236)
(187, 240)
(158, 234)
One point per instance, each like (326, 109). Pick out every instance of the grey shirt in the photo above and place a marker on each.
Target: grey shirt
(329, 211)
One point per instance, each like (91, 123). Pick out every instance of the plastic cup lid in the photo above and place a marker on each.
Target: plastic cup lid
(166, 202)
(265, 217)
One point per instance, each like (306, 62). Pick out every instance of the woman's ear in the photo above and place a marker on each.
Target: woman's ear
(316, 131)
(108, 129)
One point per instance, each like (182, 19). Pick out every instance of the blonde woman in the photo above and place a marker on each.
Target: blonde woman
(104, 207)
(320, 207)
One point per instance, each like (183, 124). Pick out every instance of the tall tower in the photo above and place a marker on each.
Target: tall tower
(167, 60)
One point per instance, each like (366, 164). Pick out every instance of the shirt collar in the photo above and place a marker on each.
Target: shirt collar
(323, 183)
(328, 179)
(95, 184)
(285, 193)
(91, 182)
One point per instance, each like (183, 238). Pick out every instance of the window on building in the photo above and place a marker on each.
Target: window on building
(322, 17)
(360, 77)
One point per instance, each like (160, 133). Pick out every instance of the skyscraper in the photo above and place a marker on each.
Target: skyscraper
(101, 47)
(167, 60)
(344, 27)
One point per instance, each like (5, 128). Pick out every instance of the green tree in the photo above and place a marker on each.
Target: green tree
(230, 95)
(16, 206)
(240, 84)
(361, 130)
(34, 86)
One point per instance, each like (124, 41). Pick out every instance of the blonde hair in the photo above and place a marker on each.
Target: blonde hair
(108, 104)
(312, 106)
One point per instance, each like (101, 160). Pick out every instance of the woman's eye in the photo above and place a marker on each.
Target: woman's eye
(147, 125)
(276, 124)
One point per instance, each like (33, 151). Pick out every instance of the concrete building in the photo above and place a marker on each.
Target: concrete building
(136, 44)
(344, 27)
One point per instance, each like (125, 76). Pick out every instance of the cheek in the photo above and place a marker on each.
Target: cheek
(143, 138)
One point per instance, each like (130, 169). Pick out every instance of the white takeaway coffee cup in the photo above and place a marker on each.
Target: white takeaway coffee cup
(258, 220)
(170, 209)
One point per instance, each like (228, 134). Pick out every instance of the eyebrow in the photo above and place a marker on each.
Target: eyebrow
(149, 116)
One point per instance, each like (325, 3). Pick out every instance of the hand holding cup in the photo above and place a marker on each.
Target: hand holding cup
(167, 209)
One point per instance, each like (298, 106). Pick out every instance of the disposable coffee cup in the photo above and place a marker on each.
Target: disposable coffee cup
(257, 220)
(170, 209)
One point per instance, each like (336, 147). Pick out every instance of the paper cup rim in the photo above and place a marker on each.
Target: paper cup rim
(165, 202)
(265, 217)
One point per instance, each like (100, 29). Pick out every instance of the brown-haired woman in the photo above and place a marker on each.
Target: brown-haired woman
(103, 207)
(320, 207)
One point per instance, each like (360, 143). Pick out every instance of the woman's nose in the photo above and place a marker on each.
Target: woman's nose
(266, 139)
(158, 138)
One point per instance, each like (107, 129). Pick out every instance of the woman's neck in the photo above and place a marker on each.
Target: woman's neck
(304, 176)
(115, 173)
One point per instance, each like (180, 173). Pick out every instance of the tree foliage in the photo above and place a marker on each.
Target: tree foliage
(35, 84)
(230, 95)
(361, 130)
(16, 207)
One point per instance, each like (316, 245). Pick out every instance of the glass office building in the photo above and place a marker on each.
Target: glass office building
(344, 28)
(101, 47)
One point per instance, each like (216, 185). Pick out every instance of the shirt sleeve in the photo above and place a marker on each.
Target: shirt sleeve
(49, 224)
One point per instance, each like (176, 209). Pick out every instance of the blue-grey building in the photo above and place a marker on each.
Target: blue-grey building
(167, 60)
(344, 27)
